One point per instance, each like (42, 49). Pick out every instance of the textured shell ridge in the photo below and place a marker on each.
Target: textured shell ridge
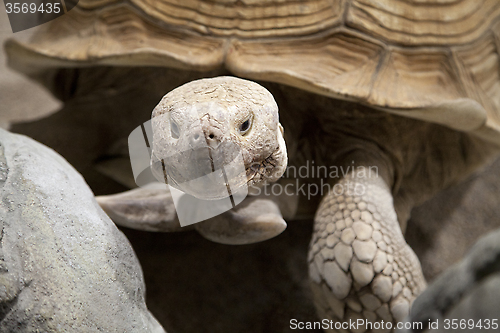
(419, 58)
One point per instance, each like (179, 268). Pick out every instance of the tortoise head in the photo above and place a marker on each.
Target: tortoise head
(217, 136)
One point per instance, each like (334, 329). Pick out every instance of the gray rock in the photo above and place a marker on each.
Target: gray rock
(468, 292)
(64, 266)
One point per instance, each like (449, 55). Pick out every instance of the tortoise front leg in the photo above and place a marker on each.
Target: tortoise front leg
(359, 262)
(152, 208)
(149, 208)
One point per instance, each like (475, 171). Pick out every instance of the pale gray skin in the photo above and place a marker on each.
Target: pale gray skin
(227, 115)
(359, 262)
(211, 112)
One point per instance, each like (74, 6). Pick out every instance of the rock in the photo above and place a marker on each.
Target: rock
(64, 266)
(469, 290)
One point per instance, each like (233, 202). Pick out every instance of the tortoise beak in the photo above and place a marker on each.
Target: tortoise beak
(211, 168)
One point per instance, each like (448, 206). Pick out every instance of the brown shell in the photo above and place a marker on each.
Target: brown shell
(434, 60)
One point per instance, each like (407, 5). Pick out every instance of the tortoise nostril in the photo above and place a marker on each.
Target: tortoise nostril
(211, 136)
(196, 136)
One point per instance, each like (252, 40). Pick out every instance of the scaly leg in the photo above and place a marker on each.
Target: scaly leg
(359, 262)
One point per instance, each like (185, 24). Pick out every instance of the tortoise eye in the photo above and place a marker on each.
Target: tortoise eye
(245, 126)
(174, 130)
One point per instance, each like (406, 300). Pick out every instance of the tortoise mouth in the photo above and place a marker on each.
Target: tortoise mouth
(258, 172)
(206, 173)
(208, 179)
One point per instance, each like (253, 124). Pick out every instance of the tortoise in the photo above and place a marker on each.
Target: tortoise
(409, 89)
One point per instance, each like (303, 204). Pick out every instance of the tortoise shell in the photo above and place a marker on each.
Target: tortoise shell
(433, 60)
